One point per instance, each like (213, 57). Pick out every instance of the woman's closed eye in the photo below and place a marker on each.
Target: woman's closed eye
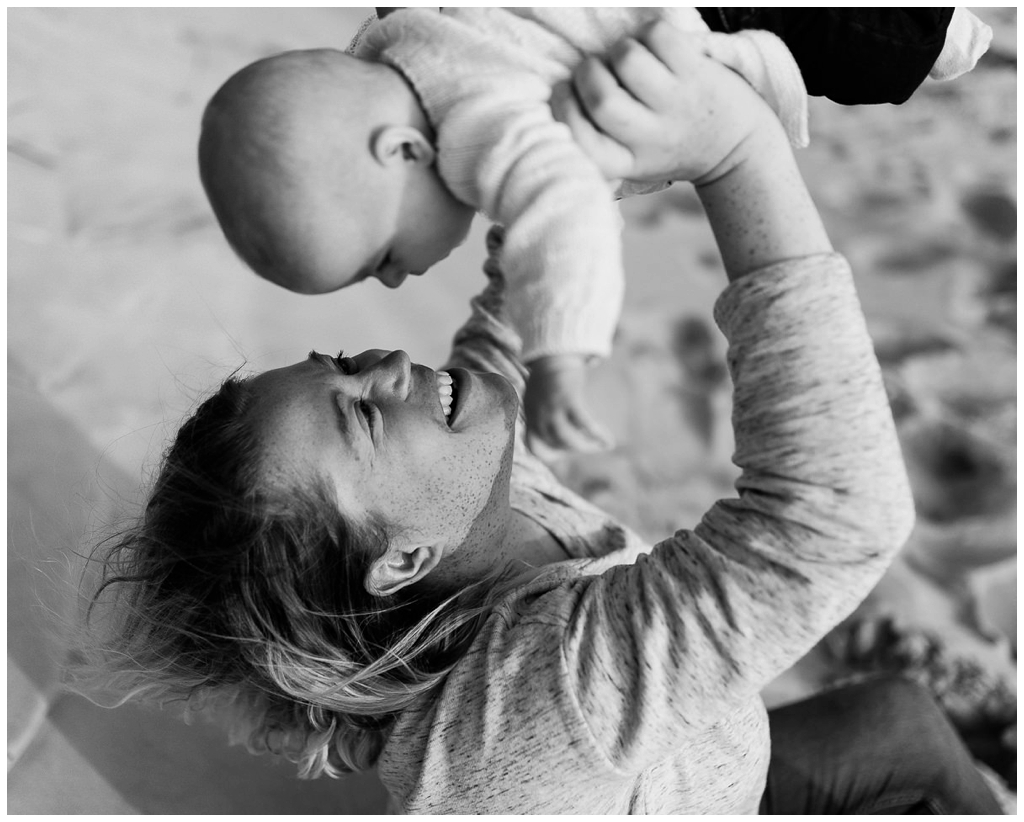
(346, 364)
(368, 410)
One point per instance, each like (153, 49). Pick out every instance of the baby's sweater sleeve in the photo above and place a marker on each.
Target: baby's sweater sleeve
(658, 651)
(563, 251)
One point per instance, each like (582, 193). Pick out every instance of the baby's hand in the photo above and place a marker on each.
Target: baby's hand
(555, 408)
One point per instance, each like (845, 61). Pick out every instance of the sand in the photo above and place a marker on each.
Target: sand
(125, 306)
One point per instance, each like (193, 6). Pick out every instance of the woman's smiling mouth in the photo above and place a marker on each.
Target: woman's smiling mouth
(445, 391)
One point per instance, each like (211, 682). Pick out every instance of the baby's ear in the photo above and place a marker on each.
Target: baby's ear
(402, 144)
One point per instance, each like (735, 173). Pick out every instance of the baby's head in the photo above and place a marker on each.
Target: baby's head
(320, 169)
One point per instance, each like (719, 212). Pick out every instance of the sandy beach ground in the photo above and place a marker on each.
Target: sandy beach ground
(126, 306)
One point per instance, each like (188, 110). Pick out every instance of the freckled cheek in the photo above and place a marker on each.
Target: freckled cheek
(461, 481)
(441, 489)
(465, 482)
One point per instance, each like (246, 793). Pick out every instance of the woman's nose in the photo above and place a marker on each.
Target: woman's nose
(395, 368)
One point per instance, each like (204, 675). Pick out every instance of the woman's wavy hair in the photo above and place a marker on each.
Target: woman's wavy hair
(249, 601)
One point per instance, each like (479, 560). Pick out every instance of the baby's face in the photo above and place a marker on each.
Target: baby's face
(383, 234)
(430, 224)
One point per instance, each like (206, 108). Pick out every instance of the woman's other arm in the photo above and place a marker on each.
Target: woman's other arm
(486, 341)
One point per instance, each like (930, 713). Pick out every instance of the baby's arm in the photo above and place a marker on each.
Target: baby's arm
(487, 342)
(562, 254)
(563, 250)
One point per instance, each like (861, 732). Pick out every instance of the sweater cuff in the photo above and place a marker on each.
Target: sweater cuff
(802, 285)
(574, 309)
(550, 337)
(967, 39)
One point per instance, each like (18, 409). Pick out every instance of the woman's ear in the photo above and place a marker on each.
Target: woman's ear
(401, 144)
(400, 567)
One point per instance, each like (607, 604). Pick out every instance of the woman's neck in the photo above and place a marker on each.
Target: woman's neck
(524, 548)
(531, 545)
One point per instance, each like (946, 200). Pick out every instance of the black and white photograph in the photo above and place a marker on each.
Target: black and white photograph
(511, 410)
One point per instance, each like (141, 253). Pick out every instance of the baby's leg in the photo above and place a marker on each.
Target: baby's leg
(852, 56)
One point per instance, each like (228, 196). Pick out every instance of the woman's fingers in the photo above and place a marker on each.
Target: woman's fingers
(568, 429)
(565, 434)
(598, 437)
(609, 106)
(613, 158)
(640, 72)
(678, 114)
(679, 51)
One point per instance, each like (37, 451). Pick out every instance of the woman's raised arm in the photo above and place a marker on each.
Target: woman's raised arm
(664, 649)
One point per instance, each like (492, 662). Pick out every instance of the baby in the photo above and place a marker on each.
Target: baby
(327, 168)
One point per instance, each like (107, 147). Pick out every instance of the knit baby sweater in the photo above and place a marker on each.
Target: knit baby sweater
(484, 78)
(626, 679)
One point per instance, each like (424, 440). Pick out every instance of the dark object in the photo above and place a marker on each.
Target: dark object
(850, 55)
(878, 746)
(993, 213)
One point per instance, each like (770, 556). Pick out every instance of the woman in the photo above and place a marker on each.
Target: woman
(362, 557)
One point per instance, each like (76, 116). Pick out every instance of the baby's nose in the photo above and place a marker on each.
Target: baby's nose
(392, 277)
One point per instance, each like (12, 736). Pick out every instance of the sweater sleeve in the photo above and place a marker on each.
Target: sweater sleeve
(486, 341)
(662, 649)
(563, 253)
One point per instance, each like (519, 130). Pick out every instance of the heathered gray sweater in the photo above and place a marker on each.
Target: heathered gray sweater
(626, 679)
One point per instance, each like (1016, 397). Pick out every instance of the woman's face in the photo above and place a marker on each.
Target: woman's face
(373, 426)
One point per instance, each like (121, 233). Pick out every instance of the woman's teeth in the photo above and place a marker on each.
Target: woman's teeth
(444, 391)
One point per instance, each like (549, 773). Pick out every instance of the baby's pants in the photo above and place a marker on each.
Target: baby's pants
(850, 55)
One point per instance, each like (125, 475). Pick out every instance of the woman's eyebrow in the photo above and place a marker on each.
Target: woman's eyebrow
(328, 362)
(321, 359)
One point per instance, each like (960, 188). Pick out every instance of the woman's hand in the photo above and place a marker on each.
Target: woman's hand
(658, 109)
